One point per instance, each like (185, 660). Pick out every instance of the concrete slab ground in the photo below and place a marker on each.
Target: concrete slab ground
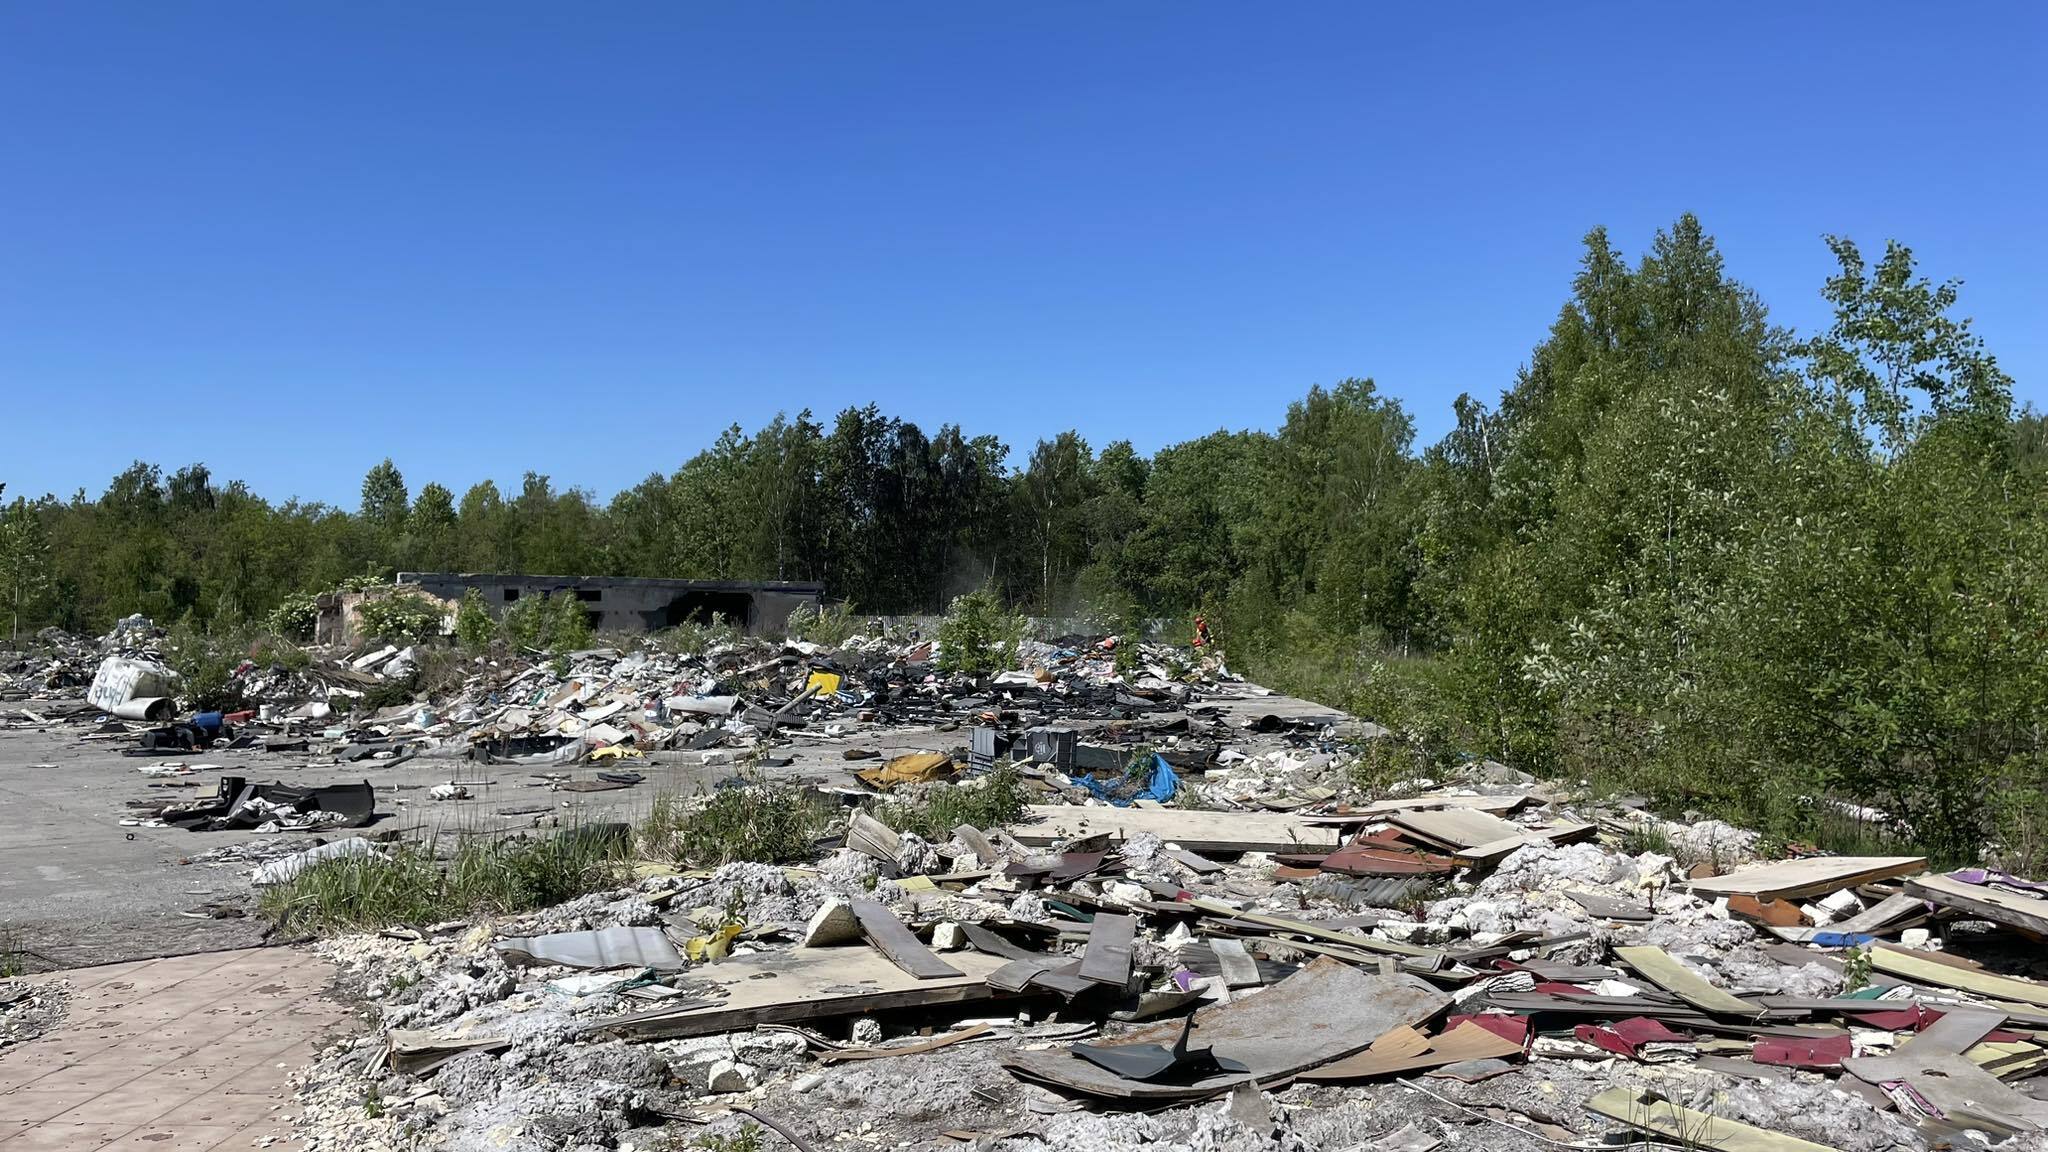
(77, 888)
(184, 1054)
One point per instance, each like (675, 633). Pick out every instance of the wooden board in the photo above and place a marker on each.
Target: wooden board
(899, 943)
(1494, 804)
(1658, 967)
(1313, 931)
(1691, 1129)
(799, 984)
(1813, 876)
(1457, 828)
(1194, 831)
(1912, 966)
(1986, 903)
(1107, 958)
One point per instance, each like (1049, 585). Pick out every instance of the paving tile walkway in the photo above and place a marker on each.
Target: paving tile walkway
(183, 1054)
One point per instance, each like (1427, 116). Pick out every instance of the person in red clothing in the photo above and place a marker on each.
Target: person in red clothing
(1201, 631)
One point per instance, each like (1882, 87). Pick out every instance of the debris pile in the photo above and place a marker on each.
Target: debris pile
(1257, 958)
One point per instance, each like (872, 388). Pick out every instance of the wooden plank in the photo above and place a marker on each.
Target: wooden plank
(1912, 966)
(1813, 876)
(1195, 831)
(973, 838)
(1457, 828)
(1312, 931)
(1691, 1129)
(1986, 903)
(1658, 967)
(1107, 959)
(899, 944)
(1201, 865)
(793, 985)
(1239, 969)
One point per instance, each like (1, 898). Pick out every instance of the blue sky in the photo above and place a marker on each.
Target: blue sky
(291, 239)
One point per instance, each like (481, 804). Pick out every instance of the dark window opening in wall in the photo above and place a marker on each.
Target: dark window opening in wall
(596, 619)
(589, 595)
(735, 608)
(511, 594)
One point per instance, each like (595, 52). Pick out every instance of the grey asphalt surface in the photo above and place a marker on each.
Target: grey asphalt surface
(77, 888)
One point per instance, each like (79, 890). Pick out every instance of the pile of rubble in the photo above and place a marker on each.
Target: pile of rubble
(1474, 963)
(1195, 932)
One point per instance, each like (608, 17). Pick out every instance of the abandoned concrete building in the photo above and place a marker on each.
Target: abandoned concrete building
(636, 603)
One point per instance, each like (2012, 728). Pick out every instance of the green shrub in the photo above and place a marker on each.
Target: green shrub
(568, 627)
(294, 617)
(205, 663)
(994, 799)
(827, 624)
(400, 618)
(474, 627)
(979, 636)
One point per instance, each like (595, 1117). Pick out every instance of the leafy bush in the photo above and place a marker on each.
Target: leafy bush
(206, 663)
(474, 627)
(294, 617)
(979, 636)
(828, 624)
(401, 617)
(553, 623)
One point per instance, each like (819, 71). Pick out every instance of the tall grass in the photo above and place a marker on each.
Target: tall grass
(413, 886)
(769, 822)
(997, 798)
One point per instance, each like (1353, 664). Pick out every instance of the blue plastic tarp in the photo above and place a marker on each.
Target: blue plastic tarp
(1162, 786)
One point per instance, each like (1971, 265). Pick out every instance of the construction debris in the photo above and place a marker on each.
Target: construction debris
(1200, 932)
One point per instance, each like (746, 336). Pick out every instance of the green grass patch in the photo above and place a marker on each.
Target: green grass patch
(996, 798)
(411, 885)
(773, 823)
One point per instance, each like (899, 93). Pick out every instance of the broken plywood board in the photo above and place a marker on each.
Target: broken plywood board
(1456, 828)
(1283, 925)
(1691, 1129)
(1407, 1050)
(1933, 1065)
(1982, 901)
(799, 984)
(899, 943)
(1660, 968)
(1916, 967)
(1893, 912)
(1195, 831)
(1812, 876)
(1325, 1011)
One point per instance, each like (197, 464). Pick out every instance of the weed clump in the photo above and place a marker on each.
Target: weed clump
(773, 823)
(997, 798)
(979, 636)
(411, 886)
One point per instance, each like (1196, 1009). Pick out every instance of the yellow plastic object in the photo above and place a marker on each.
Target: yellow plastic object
(825, 682)
(714, 946)
(916, 768)
(617, 752)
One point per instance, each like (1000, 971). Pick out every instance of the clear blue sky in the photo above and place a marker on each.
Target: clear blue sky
(289, 239)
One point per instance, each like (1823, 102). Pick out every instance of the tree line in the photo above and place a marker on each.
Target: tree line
(1686, 551)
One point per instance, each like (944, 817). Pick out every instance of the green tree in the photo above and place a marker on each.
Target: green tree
(24, 560)
(385, 502)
